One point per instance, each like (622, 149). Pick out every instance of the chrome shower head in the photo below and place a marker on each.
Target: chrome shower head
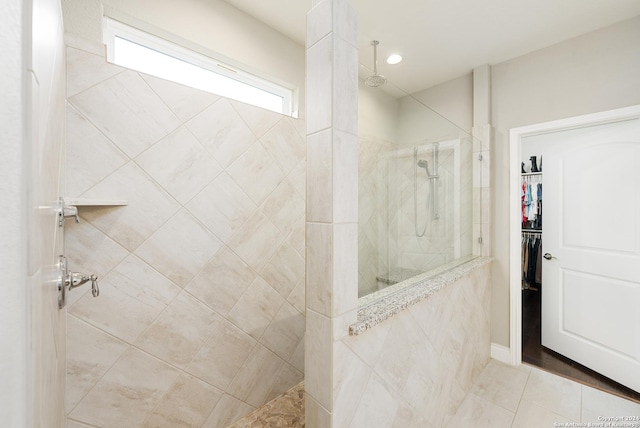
(424, 164)
(375, 80)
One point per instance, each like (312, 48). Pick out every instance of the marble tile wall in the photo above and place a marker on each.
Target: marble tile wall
(415, 368)
(200, 318)
(332, 204)
(436, 247)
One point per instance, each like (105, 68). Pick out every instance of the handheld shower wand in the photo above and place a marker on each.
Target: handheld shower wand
(432, 178)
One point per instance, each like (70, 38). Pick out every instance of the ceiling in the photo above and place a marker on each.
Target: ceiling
(444, 39)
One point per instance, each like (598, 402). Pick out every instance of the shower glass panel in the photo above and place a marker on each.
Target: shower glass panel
(416, 191)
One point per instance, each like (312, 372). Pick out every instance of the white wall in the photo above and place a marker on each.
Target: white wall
(452, 100)
(203, 25)
(449, 106)
(13, 303)
(594, 72)
(377, 113)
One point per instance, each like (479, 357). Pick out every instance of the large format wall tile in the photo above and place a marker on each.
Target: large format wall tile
(179, 164)
(256, 308)
(85, 69)
(85, 141)
(183, 101)
(211, 285)
(132, 296)
(187, 404)
(222, 131)
(202, 272)
(165, 249)
(89, 356)
(284, 207)
(130, 389)
(377, 407)
(256, 241)
(422, 363)
(90, 250)
(257, 173)
(180, 331)
(220, 359)
(284, 270)
(284, 144)
(222, 206)
(351, 376)
(254, 382)
(258, 119)
(284, 333)
(148, 206)
(127, 111)
(229, 409)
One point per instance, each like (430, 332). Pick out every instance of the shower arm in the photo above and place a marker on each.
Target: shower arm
(375, 57)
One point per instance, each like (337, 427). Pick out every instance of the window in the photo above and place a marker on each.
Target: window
(135, 49)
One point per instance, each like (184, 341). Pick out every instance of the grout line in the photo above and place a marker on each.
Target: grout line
(521, 398)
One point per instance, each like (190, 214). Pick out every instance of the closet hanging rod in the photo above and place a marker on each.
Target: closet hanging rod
(532, 231)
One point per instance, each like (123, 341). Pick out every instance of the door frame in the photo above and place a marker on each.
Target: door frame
(515, 254)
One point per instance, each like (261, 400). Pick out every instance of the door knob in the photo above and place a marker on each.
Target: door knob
(549, 256)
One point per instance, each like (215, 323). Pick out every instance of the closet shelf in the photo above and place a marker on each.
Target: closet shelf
(85, 202)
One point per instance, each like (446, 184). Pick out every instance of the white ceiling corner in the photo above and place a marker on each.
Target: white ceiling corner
(444, 39)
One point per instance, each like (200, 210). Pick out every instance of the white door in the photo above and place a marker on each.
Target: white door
(591, 223)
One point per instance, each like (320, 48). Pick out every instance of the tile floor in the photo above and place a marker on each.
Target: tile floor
(534, 354)
(502, 397)
(523, 397)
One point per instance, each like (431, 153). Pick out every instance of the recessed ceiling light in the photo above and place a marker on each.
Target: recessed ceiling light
(394, 59)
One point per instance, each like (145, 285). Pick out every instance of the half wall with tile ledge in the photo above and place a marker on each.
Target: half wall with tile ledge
(414, 355)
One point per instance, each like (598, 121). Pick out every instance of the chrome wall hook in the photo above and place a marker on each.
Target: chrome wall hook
(65, 211)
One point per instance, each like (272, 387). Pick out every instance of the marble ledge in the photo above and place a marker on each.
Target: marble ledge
(86, 202)
(379, 306)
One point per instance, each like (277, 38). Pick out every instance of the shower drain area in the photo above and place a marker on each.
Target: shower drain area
(286, 410)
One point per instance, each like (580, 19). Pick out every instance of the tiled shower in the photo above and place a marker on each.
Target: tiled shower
(201, 313)
(192, 214)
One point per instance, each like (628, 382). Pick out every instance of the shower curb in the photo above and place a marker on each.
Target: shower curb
(399, 297)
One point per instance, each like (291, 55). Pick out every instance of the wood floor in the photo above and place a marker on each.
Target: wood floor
(535, 354)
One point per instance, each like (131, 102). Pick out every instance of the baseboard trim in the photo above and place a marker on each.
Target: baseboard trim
(501, 353)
